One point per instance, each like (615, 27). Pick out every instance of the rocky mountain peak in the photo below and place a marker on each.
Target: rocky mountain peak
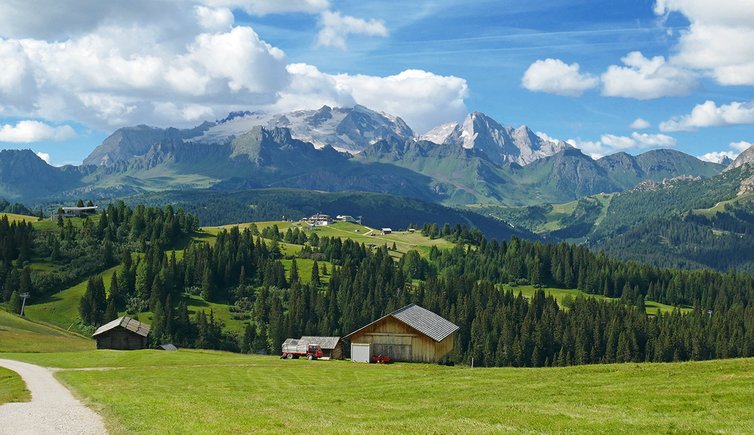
(745, 158)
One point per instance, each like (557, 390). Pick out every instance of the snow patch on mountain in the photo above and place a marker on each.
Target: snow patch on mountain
(345, 129)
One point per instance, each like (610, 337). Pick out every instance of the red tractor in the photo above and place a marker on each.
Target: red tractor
(294, 349)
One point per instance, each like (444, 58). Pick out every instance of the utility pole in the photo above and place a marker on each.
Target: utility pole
(23, 304)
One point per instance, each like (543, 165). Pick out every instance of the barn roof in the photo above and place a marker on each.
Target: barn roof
(124, 322)
(323, 342)
(421, 319)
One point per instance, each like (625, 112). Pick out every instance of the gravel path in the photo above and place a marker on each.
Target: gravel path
(52, 410)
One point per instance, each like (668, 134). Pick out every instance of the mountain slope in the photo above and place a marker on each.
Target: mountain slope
(500, 144)
(345, 129)
(24, 175)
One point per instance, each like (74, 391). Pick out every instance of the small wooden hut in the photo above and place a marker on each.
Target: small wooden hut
(411, 333)
(124, 333)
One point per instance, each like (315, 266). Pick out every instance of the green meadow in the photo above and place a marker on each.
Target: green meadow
(202, 392)
(12, 387)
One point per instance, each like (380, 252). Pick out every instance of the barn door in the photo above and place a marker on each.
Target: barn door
(398, 352)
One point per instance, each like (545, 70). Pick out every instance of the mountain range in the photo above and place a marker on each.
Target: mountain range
(478, 161)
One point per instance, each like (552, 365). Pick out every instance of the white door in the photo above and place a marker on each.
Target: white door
(360, 352)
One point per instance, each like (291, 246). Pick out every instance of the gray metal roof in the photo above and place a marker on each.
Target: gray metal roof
(124, 322)
(89, 208)
(421, 319)
(167, 346)
(323, 342)
(425, 321)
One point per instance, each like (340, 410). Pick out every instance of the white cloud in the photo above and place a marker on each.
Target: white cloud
(120, 67)
(644, 140)
(214, 19)
(736, 149)
(640, 124)
(423, 99)
(336, 27)
(266, 7)
(740, 146)
(35, 131)
(546, 136)
(554, 76)
(44, 156)
(595, 149)
(717, 38)
(610, 143)
(645, 79)
(709, 114)
(718, 156)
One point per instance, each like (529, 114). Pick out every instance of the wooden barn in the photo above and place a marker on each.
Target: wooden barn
(124, 333)
(411, 333)
(332, 347)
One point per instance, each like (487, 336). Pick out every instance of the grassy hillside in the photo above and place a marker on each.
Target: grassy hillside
(403, 239)
(12, 387)
(560, 294)
(12, 217)
(239, 393)
(18, 334)
(62, 309)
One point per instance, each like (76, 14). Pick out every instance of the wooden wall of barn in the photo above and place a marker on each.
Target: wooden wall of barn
(121, 339)
(402, 343)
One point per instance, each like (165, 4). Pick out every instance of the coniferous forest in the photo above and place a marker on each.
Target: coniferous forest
(159, 263)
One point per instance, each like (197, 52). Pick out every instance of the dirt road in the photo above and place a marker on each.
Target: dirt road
(52, 410)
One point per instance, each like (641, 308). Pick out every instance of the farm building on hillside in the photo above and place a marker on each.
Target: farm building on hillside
(387, 231)
(412, 334)
(332, 347)
(124, 333)
(69, 212)
(347, 218)
(318, 220)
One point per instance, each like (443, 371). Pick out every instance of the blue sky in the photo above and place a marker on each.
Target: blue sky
(582, 71)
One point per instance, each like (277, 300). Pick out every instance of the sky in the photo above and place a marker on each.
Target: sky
(605, 75)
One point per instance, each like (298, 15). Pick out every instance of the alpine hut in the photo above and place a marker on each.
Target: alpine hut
(412, 334)
(124, 333)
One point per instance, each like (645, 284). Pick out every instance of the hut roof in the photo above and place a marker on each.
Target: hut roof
(167, 346)
(323, 342)
(421, 319)
(124, 322)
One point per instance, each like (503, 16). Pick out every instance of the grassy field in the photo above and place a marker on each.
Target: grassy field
(404, 240)
(12, 387)
(559, 294)
(214, 392)
(18, 334)
(12, 217)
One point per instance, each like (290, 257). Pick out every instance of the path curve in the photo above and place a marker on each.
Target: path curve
(52, 410)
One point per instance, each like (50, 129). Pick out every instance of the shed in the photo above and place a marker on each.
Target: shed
(332, 347)
(167, 346)
(411, 333)
(124, 333)
(387, 231)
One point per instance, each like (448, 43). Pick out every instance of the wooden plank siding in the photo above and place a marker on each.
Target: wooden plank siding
(401, 342)
(121, 339)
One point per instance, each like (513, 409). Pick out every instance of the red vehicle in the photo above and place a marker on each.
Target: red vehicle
(381, 359)
(295, 349)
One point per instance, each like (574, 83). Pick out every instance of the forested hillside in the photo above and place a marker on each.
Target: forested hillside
(257, 275)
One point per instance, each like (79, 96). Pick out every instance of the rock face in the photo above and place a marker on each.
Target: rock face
(500, 144)
(745, 158)
(345, 129)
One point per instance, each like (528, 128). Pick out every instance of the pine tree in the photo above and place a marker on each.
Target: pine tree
(294, 272)
(315, 274)
(15, 302)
